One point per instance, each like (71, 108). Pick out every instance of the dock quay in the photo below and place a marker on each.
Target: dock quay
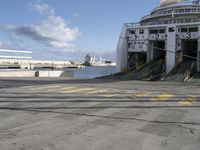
(35, 64)
(66, 113)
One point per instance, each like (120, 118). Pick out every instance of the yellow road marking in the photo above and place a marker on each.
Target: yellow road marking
(163, 97)
(185, 103)
(59, 89)
(188, 101)
(109, 95)
(45, 87)
(142, 94)
(53, 89)
(97, 91)
(67, 88)
(77, 90)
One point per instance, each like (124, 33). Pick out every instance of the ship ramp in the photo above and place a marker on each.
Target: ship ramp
(195, 78)
(153, 70)
(183, 71)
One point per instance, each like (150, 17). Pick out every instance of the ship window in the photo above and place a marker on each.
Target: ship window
(181, 10)
(193, 10)
(181, 20)
(153, 31)
(194, 29)
(162, 31)
(141, 31)
(187, 10)
(171, 29)
(187, 20)
(164, 12)
(165, 22)
(132, 31)
(169, 11)
(184, 30)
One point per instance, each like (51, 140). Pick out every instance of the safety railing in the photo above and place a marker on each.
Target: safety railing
(187, 56)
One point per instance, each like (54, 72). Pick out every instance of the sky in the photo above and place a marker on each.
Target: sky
(68, 29)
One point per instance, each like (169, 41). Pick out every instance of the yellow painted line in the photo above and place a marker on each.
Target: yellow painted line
(142, 94)
(188, 101)
(185, 103)
(45, 87)
(53, 89)
(163, 97)
(77, 90)
(67, 88)
(109, 95)
(97, 91)
(59, 89)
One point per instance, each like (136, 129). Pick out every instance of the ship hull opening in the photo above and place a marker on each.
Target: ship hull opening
(189, 48)
(158, 50)
(136, 60)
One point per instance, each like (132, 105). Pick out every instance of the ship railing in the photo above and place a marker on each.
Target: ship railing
(174, 21)
(166, 50)
(132, 24)
(195, 11)
(181, 3)
(155, 15)
(146, 17)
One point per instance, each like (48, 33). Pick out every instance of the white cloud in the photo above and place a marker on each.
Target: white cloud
(52, 32)
(42, 8)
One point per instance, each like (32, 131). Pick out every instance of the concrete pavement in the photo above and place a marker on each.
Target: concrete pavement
(72, 114)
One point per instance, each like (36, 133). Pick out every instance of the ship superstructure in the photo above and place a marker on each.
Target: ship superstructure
(171, 31)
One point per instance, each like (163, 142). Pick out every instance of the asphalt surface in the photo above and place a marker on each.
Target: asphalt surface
(72, 114)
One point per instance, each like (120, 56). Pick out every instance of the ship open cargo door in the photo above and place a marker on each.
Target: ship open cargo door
(136, 60)
(158, 50)
(149, 71)
(189, 48)
(188, 66)
(154, 69)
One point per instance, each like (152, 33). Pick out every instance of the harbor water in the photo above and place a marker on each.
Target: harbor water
(82, 73)
(93, 71)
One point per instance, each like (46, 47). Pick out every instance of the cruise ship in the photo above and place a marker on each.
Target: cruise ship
(170, 32)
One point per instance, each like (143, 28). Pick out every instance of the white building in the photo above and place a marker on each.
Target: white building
(23, 59)
(171, 30)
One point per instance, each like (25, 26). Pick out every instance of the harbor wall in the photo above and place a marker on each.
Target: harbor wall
(22, 73)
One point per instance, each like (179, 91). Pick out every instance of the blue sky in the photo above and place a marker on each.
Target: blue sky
(67, 29)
